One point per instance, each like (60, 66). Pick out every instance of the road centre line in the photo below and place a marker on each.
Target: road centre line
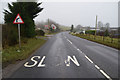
(80, 51)
(105, 74)
(98, 68)
(88, 59)
(69, 41)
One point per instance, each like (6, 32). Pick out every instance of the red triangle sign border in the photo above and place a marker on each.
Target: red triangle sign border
(18, 22)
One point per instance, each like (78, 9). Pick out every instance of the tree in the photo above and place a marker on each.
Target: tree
(107, 25)
(103, 28)
(28, 11)
(50, 22)
(72, 27)
(106, 33)
(40, 25)
(100, 24)
(79, 27)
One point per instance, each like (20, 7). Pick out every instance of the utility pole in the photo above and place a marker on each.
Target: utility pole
(95, 27)
(48, 25)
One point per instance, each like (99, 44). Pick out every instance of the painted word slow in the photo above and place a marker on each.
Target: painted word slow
(41, 60)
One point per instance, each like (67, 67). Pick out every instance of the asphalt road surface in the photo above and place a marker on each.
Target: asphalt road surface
(67, 56)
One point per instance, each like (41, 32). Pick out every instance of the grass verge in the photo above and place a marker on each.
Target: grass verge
(12, 54)
(99, 39)
(51, 33)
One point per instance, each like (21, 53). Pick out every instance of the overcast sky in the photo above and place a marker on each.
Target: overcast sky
(67, 13)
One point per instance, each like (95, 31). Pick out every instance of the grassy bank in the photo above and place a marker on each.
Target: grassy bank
(51, 33)
(12, 54)
(112, 42)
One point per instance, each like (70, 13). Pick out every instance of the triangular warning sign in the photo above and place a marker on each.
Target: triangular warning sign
(18, 20)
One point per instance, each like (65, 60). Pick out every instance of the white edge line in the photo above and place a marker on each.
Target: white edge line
(89, 59)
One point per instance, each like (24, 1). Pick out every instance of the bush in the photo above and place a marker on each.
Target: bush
(40, 32)
(9, 35)
(101, 33)
(90, 32)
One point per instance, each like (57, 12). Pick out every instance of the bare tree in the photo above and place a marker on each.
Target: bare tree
(100, 24)
(107, 25)
(79, 27)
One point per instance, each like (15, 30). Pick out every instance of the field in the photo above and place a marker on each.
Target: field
(64, 28)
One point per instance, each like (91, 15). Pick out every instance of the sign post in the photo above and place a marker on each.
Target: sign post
(18, 20)
(19, 35)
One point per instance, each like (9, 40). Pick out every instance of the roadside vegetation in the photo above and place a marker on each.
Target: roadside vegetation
(33, 35)
(12, 54)
(103, 35)
(112, 42)
(11, 51)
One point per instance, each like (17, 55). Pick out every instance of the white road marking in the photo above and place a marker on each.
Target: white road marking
(79, 50)
(97, 67)
(69, 41)
(74, 60)
(105, 74)
(40, 64)
(35, 62)
(32, 59)
(88, 59)
(68, 62)
(59, 64)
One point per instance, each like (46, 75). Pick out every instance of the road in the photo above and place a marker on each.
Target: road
(93, 60)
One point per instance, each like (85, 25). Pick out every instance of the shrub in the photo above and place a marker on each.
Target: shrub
(40, 32)
(9, 35)
(90, 32)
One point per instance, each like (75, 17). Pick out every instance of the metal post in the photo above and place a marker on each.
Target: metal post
(19, 35)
